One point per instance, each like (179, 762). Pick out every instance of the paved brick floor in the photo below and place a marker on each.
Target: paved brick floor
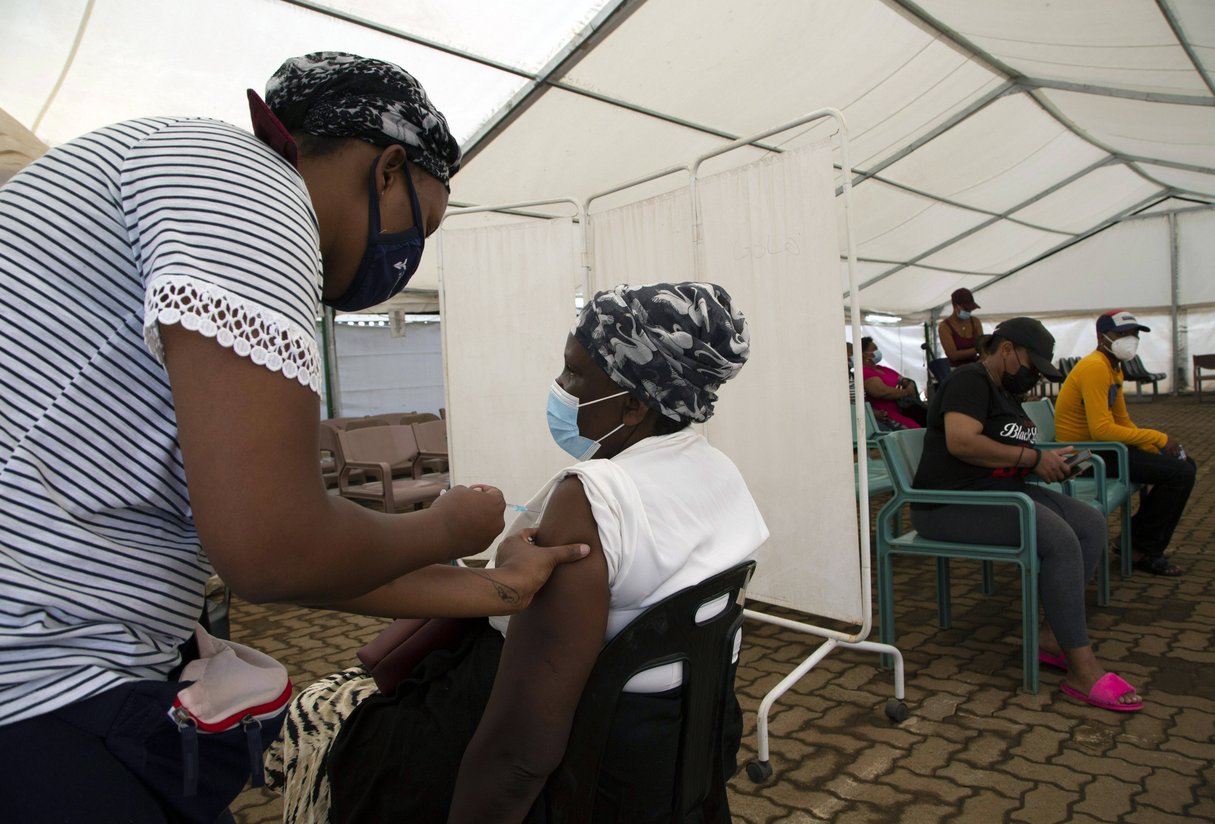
(975, 748)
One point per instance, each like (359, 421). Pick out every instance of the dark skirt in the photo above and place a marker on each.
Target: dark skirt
(396, 757)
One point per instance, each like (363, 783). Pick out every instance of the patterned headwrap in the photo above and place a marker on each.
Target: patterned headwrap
(670, 344)
(334, 94)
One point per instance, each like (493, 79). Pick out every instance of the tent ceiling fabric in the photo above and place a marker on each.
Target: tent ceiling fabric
(984, 134)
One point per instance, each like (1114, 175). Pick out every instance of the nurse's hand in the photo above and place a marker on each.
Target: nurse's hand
(472, 516)
(521, 567)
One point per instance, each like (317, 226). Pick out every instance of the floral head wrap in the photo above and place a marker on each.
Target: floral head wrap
(670, 344)
(335, 94)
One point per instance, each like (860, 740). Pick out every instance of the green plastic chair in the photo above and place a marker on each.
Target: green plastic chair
(879, 476)
(902, 451)
(1106, 493)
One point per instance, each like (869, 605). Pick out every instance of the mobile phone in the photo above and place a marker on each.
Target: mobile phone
(1079, 460)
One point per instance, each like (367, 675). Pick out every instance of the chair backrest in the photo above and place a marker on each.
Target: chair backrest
(665, 633)
(938, 368)
(327, 436)
(902, 451)
(1134, 369)
(431, 436)
(1067, 364)
(1204, 361)
(1042, 413)
(364, 423)
(416, 417)
(392, 444)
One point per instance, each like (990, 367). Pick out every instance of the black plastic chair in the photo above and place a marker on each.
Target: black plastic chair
(665, 633)
(1134, 370)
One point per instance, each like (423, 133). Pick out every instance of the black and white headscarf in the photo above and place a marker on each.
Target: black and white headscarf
(334, 94)
(670, 344)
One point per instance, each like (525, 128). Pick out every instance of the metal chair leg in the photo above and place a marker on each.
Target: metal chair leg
(1029, 631)
(944, 608)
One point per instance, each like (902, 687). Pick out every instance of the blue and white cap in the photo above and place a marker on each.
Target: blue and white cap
(1119, 320)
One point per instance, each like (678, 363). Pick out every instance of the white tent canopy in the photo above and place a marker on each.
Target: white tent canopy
(1001, 145)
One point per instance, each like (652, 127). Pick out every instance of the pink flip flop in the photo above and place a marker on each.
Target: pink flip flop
(1052, 660)
(1105, 694)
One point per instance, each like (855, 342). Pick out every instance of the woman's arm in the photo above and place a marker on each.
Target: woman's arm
(444, 591)
(965, 440)
(875, 387)
(249, 444)
(549, 652)
(945, 337)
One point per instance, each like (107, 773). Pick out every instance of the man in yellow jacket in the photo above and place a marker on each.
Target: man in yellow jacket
(1092, 407)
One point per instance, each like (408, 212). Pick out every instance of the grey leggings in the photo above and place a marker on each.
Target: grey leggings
(1071, 538)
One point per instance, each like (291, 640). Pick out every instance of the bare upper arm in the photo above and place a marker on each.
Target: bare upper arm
(960, 430)
(552, 645)
(946, 339)
(249, 442)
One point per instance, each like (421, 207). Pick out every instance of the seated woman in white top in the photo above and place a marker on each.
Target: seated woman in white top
(660, 509)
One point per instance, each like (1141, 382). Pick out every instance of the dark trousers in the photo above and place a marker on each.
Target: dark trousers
(58, 772)
(1160, 507)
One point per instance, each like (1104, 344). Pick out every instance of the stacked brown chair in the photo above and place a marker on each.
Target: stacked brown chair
(415, 417)
(1202, 362)
(432, 444)
(331, 452)
(388, 457)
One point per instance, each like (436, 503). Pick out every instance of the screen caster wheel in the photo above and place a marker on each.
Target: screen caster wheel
(759, 771)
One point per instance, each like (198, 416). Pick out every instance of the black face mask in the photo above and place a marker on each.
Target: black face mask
(1020, 382)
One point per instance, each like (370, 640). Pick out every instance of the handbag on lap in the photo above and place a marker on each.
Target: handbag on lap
(392, 655)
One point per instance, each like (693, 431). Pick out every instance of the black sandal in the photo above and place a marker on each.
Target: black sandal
(1158, 565)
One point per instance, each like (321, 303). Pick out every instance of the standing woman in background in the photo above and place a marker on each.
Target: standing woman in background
(960, 330)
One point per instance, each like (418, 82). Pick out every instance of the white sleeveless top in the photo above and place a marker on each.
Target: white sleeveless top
(671, 512)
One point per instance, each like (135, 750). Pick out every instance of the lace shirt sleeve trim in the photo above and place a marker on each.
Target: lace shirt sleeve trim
(266, 337)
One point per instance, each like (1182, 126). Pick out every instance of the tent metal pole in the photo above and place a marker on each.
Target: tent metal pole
(1174, 296)
(333, 386)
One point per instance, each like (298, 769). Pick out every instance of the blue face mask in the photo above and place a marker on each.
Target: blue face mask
(877, 356)
(390, 259)
(963, 315)
(563, 422)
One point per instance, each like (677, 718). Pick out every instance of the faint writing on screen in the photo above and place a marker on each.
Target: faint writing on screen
(768, 247)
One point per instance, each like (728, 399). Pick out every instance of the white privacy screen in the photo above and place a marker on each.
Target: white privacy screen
(508, 305)
(770, 239)
(649, 241)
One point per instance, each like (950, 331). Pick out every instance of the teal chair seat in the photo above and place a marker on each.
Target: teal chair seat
(902, 451)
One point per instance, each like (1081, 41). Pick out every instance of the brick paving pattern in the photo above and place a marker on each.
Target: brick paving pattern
(975, 748)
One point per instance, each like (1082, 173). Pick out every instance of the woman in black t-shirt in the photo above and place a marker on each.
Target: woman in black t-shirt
(978, 438)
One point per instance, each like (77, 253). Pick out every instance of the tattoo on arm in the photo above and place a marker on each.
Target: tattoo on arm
(508, 595)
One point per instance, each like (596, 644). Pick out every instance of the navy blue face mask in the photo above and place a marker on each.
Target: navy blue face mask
(390, 259)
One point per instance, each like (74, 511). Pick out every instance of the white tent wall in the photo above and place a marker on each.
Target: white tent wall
(1196, 258)
(381, 372)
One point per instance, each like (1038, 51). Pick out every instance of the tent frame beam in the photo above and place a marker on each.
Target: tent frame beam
(1179, 33)
(1003, 216)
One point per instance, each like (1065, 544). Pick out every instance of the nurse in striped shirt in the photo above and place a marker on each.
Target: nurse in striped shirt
(159, 284)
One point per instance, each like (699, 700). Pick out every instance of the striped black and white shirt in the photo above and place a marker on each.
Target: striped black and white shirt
(147, 222)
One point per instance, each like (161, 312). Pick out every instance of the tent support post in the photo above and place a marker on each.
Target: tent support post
(333, 387)
(1174, 294)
